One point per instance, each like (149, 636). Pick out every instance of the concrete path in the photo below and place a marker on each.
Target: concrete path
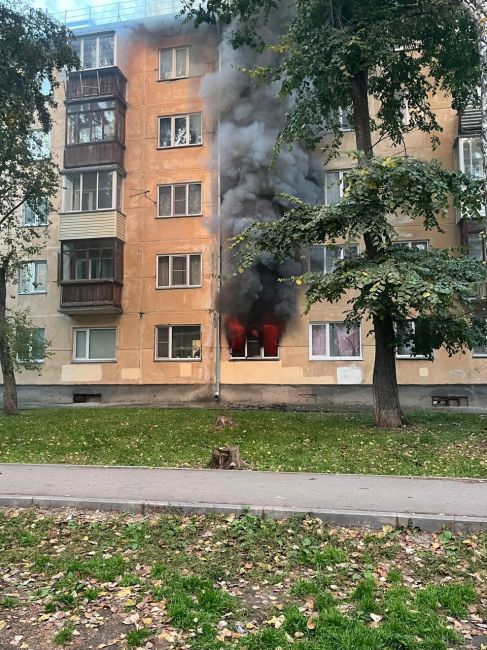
(373, 501)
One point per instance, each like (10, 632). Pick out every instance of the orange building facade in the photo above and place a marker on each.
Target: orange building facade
(126, 289)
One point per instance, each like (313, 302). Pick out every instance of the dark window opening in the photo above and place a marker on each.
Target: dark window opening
(85, 398)
(254, 343)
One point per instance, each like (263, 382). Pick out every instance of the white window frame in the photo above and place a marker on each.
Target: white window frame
(41, 329)
(341, 176)
(81, 41)
(33, 275)
(327, 356)
(87, 347)
(171, 257)
(461, 158)
(37, 224)
(411, 357)
(341, 116)
(327, 246)
(173, 119)
(187, 213)
(409, 243)
(173, 68)
(114, 206)
(170, 357)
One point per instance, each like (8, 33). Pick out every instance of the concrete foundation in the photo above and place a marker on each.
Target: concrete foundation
(350, 397)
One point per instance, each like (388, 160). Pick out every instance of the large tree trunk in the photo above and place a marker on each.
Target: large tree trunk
(385, 389)
(10, 405)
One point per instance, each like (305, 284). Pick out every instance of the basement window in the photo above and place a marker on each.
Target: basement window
(253, 343)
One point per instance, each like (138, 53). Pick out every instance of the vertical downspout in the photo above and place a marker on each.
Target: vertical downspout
(218, 351)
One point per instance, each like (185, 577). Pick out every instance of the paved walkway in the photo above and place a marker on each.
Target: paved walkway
(429, 504)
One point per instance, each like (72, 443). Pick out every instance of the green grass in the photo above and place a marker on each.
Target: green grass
(227, 583)
(436, 444)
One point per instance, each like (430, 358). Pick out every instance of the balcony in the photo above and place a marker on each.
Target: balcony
(91, 296)
(104, 82)
(86, 225)
(94, 153)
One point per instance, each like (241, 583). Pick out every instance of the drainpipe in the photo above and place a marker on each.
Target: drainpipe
(218, 351)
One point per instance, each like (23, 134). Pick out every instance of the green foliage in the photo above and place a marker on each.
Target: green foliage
(408, 50)
(434, 287)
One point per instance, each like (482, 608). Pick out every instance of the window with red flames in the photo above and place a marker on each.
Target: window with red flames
(260, 342)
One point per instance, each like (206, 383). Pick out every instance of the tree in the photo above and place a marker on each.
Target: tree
(335, 54)
(33, 47)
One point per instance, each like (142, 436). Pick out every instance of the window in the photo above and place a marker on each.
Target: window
(92, 122)
(94, 344)
(178, 271)
(35, 217)
(178, 342)
(95, 51)
(92, 259)
(480, 350)
(334, 341)
(33, 277)
(471, 157)
(179, 200)
(40, 144)
(173, 63)
(30, 344)
(345, 119)
(253, 343)
(476, 247)
(180, 130)
(405, 351)
(334, 186)
(324, 259)
(420, 245)
(89, 191)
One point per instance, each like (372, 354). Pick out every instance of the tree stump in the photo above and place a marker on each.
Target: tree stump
(227, 458)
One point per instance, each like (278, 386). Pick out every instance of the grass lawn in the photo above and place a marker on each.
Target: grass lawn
(98, 580)
(436, 444)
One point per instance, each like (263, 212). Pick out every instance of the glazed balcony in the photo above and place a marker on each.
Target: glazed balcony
(94, 153)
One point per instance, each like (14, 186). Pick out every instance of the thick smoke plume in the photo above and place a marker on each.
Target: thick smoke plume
(251, 116)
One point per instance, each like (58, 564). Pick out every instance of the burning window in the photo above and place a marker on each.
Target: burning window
(259, 342)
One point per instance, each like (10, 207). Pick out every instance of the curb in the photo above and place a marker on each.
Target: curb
(348, 518)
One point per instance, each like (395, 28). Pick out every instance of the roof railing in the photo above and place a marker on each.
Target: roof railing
(117, 12)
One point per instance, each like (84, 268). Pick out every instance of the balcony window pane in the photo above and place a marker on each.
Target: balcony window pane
(73, 128)
(107, 270)
(163, 342)
(165, 64)
(165, 192)
(81, 262)
(102, 344)
(96, 126)
(67, 256)
(472, 155)
(107, 51)
(76, 47)
(163, 271)
(89, 54)
(105, 193)
(195, 129)
(165, 132)
(119, 192)
(194, 270)
(317, 259)
(343, 343)
(94, 264)
(186, 343)
(108, 125)
(181, 62)
(88, 201)
(180, 131)
(179, 199)
(194, 198)
(476, 247)
(179, 272)
(80, 347)
(84, 128)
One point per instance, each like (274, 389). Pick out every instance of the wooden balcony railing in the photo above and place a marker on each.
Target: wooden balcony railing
(88, 84)
(96, 295)
(93, 153)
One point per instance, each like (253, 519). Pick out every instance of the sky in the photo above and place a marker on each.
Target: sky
(62, 5)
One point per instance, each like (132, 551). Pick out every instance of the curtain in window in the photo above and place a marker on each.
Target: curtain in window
(180, 199)
(181, 57)
(343, 343)
(165, 64)
(318, 340)
(194, 270)
(194, 198)
(271, 340)
(195, 129)
(179, 270)
(165, 132)
(102, 344)
(180, 130)
(165, 194)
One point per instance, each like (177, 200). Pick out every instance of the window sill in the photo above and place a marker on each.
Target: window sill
(479, 356)
(32, 293)
(179, 216)
(336, 358)
(189, 76)
(180, 286)
(176, 360)
(411, 358)
(254, 359)
(76, 361)
(179, 146)
(37, 225)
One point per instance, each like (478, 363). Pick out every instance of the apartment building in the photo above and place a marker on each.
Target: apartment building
(126, 289)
